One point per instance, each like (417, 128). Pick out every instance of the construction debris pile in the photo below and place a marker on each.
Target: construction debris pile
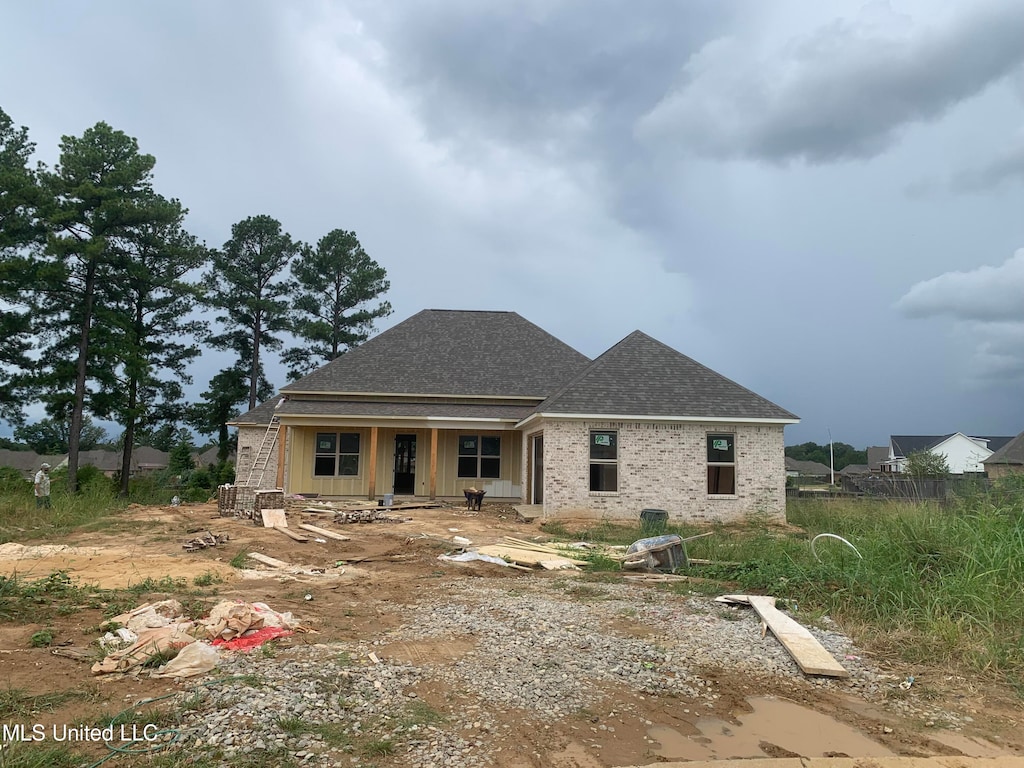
(204, 541)
(159, 632)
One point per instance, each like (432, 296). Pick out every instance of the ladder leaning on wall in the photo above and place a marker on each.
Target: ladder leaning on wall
(263, 454)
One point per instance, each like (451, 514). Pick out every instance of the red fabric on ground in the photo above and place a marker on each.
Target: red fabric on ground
(252, 639)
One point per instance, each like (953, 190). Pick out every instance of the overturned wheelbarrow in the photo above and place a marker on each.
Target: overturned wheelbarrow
(657, 553)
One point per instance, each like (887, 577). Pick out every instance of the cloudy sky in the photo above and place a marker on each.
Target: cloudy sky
(822, 201)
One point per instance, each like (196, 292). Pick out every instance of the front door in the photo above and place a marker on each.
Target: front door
(405, 464)
(537, 454)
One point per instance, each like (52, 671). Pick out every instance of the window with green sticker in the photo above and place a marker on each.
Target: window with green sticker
(721, 454)
(604, 460)
(479, 456)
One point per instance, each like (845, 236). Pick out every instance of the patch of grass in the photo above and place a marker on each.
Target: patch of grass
(18, 755)
(207, 579)
(166, 584)
(378, 748)
(293, 726)
(14, 702)
(269, 649)
(418, 712)
(41, 639)
(333, 734)
(240, 560)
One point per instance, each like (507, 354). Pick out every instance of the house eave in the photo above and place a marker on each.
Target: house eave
(418, 395)
(666, 419)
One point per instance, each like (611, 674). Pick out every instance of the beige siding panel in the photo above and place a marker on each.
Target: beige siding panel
(508, 485)
(302, 444)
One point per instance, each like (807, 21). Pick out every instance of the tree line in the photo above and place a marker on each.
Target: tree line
(103, 293)
(843, 453)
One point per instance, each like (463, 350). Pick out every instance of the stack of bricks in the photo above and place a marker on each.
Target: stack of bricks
(266, 499)
(226, 495)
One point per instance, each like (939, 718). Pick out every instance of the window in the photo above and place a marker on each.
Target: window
(479, 456)
(337, 453)
(604, 458)
(722, 464)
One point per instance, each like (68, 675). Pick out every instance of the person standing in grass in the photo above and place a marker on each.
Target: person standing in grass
(43, 486)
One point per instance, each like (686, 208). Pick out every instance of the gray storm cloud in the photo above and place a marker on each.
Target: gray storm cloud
(843, 93)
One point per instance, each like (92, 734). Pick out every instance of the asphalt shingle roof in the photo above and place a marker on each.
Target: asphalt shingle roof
(640, 376)
(1012, 452)
(814, 468)
(452, 352)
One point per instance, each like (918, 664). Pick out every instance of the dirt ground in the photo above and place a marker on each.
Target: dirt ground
(381, 564)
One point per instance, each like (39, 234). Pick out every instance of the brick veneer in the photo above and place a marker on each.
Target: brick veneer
(663, 466)
(251, 438)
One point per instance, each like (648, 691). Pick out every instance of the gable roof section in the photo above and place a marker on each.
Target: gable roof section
(1012, 452)
(904, 445)
(642, 377)
(452, 352)
(876, 455)
(814, 468)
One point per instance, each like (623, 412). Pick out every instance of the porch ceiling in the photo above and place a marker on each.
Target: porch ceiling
(297, 411)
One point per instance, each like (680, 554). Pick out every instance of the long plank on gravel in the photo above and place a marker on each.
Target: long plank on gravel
(807, 652)
(273, 562)
(324, 532)
(291, 534)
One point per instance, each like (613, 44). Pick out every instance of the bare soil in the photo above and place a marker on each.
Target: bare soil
(384, 563)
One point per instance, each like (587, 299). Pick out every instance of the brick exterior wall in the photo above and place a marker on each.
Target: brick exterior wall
(249, 441)
(663, 466)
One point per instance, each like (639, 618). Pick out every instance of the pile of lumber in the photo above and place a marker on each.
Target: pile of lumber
(373, 515)
(531, 554)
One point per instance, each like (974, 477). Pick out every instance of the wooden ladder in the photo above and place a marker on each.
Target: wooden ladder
(262, 457)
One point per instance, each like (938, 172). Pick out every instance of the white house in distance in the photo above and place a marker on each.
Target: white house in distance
(964, 454)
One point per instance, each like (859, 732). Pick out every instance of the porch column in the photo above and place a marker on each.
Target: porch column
(282, 437)
(373, 463)
(433, 463)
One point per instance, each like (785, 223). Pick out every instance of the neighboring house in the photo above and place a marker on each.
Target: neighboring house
(963, 454)
(146, 459)
(877, 455)
(1008, 460)
(807, 469)
(209, 458)
(451, 400)
(27, 462)
(853, 470)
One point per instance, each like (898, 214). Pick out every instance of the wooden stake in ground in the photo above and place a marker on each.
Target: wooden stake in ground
(807, 652)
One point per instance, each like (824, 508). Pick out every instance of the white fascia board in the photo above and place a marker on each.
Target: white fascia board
(289, 393)
(668, 419)
(401, 422)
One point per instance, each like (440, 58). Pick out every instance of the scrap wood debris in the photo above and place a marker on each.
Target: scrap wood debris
(810, 655)
(208, 539)
(375, 515)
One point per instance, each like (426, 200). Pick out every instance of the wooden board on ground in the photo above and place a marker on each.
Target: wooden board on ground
(526, 556)
(291, 534)
(366, 507)
(273, 562)
(324, 532)
(807, 652)
(272, 518)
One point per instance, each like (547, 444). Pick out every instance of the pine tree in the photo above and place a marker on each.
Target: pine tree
(335, 284)
(247, 286)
